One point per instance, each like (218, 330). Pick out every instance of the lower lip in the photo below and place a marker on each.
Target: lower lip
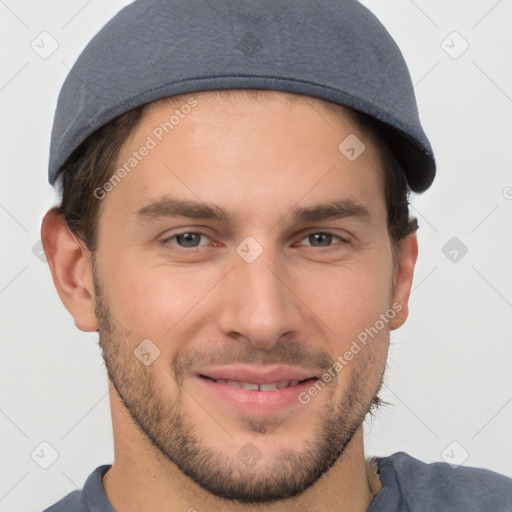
(258, 402)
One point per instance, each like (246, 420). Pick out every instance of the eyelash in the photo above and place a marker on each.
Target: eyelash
(167, 241)
(328, 233)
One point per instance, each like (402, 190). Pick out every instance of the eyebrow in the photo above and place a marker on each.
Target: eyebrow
(173, 207)
(332, 210)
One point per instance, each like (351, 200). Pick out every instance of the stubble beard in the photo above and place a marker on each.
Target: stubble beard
(170, 430)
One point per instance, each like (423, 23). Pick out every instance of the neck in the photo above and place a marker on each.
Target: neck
(141, 478)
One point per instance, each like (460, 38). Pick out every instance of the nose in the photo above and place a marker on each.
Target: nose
(258, 303)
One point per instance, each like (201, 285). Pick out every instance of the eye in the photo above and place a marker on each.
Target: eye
(189, 239)
(321, 239)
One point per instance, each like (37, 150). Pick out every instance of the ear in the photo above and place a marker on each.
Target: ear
(403, 274)
(70, 265)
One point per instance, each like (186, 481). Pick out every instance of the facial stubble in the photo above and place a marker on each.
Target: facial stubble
(169, 429)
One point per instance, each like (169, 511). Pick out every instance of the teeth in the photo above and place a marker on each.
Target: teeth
(247, 386)
(269, 387)
(272, 386)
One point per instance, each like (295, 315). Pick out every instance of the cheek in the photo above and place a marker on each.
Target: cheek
(347, 298)
(152, 300)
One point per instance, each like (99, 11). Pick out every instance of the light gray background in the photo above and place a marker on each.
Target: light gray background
(450, 367)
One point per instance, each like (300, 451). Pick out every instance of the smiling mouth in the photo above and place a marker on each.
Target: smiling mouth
(251, 386)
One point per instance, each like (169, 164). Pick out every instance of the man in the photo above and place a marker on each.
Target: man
(234, 224)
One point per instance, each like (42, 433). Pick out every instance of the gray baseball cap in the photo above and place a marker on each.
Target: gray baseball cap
(336, 50)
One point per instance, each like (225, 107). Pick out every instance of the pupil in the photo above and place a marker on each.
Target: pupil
(188, 239)
(320, 239)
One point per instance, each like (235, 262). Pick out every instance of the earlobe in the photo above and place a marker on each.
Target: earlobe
(403, 276)
(70, 265)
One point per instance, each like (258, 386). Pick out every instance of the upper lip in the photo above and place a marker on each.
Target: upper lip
(257, 374)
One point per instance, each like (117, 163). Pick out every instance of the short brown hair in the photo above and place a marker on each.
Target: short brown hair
(92, 165)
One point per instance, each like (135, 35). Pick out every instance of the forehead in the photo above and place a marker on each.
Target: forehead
(262, 146)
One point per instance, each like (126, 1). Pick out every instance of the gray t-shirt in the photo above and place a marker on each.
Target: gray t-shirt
(408, 485)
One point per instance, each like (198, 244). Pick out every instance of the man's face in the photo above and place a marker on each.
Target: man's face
(222, 248)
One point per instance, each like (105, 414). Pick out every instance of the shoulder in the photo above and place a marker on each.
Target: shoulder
(91, 497)
(70, 503)
(426, 486)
